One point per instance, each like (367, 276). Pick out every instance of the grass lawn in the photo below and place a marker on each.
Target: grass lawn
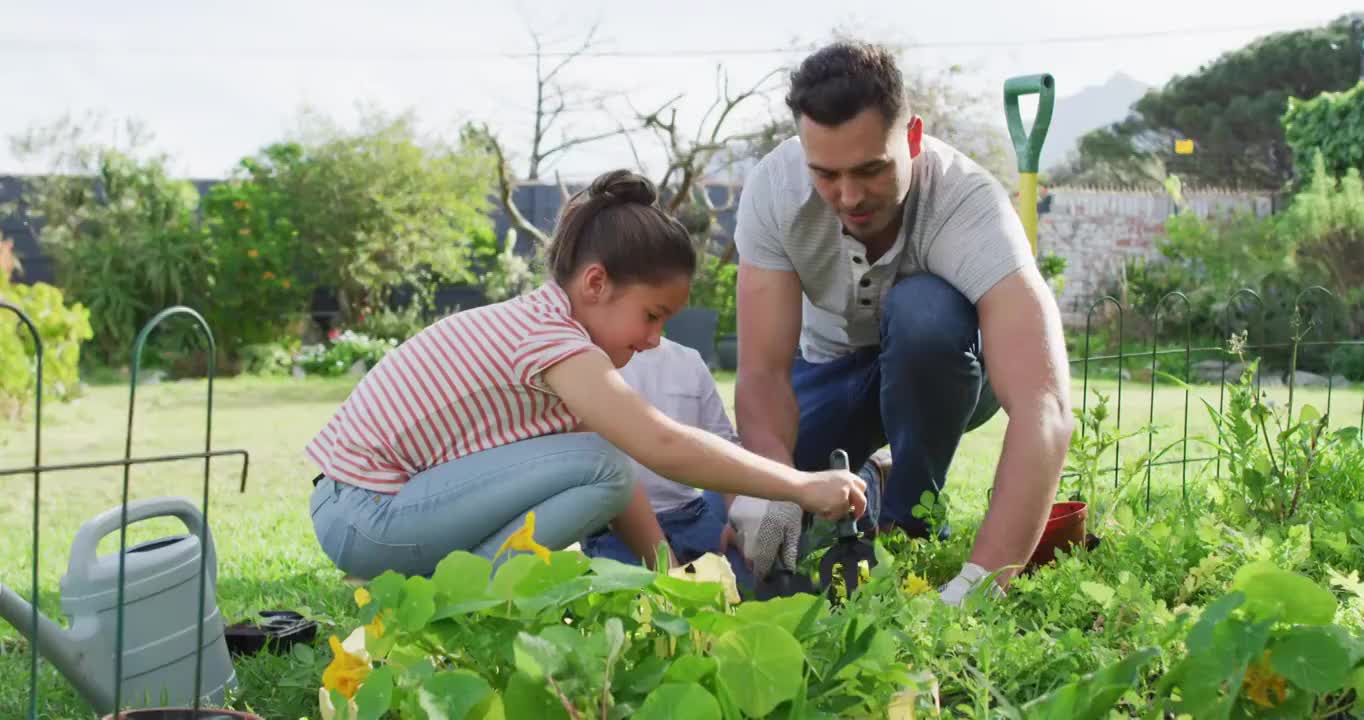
(267, 555)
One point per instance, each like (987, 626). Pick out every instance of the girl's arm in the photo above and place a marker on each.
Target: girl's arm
(638, 527)
(590, 386)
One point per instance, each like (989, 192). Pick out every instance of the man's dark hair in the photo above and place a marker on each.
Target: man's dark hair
(841, 80)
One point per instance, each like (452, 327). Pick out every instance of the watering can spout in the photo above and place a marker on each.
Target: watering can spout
(54, 644)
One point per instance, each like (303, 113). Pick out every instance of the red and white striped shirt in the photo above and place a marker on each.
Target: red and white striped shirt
(469, 382)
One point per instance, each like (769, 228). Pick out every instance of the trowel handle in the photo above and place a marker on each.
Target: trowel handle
(838, 460)
(84, 547)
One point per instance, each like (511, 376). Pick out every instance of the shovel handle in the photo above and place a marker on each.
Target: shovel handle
(1028, 145)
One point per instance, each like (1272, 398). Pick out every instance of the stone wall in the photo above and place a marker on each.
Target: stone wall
(1098, 229)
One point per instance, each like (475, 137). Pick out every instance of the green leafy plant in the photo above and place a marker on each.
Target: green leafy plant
(62, 328)
(346, 349)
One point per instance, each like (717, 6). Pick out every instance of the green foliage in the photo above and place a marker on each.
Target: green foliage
(62, 329)
(1231, 109)
(122, 232)
(345, 350)
(716, 286)
(380, 207)
(506, 274)
(395, 324)
(1326, 225)
(257, 287)
(1330, 125)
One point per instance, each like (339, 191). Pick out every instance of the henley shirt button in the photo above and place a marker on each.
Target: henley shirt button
(866, 282)
(857, 260)
(866, 301)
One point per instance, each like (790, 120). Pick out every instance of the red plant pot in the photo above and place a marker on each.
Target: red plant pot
(1065, 529)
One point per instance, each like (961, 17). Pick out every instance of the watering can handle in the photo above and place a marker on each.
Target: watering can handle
(1028, 146)
(87, 538)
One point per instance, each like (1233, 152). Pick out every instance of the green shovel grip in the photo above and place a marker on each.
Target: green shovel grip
(1028, 146)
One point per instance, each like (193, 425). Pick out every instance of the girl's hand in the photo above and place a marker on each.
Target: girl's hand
(834, 494)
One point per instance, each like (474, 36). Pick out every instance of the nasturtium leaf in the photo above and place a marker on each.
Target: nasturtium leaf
(1275, 594)
(760, 665)
(677, 701)
(1312, 658)
(453, 695)
(418, 604)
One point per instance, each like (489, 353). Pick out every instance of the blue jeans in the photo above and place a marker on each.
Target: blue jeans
(920, 390)
(575, 482)
(691, 530)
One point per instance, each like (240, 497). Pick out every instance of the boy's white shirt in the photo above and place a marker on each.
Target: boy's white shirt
(674, 378)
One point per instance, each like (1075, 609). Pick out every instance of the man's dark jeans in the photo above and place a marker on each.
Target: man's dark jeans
(920, 390)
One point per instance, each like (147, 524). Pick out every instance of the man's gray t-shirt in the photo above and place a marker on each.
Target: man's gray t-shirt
(959, 225)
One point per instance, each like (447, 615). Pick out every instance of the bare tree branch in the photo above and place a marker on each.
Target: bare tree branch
(505, 183)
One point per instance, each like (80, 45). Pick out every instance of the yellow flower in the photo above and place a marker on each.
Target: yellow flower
(284, 283)
(346, 671)
(244, 231)
(1261, 682)
(376, 627)
(362, 597)
(915, 585)
(252, 253)
(524, 539)
(267, 275)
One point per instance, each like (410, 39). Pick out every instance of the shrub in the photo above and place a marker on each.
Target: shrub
(62, 329)
(346, 349)
(716, 287)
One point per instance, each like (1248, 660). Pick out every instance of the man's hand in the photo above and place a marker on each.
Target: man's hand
(768, 533)
(970, 578)
(1025, 357)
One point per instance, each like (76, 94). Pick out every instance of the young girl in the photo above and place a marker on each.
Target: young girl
(489, 413)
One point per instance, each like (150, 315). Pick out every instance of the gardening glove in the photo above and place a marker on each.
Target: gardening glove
(970, 578)
(768, 532)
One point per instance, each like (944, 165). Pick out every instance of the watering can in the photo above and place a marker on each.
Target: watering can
(160, 601)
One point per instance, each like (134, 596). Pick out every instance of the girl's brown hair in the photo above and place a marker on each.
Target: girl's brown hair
(617, 222)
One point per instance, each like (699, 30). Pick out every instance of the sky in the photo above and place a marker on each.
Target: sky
(214, 82)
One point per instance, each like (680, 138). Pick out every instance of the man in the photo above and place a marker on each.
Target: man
(887, 294)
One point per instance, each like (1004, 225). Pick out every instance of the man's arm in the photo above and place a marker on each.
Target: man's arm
(769, 328)
(1031, 379)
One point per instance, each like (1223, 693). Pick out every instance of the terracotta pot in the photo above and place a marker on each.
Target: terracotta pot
(1064, 530)
(184, 714)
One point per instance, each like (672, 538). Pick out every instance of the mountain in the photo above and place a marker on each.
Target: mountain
(1090, 108)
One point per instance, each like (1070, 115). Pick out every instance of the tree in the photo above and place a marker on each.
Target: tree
(380, 207)
(1330, 124)
(121, 231)
(555, 101)
(1231, 110)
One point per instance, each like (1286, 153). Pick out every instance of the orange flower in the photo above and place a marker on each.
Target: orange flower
(244, 231)
(1261, 682)
(252, 253)
(267, 275)
(524, 539)
(284, 283)
(346, 671)
(239, 204)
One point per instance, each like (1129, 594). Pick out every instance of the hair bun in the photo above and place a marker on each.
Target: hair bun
(624, 186)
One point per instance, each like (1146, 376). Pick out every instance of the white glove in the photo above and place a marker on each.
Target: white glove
(970, 578)
(768, 531)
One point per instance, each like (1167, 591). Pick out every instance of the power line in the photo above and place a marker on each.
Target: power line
(15, 46)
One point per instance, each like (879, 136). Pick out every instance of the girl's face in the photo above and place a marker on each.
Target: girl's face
(625, 319)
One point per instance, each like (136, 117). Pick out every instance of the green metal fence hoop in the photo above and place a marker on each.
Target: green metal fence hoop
(37, 486)
(138, 346)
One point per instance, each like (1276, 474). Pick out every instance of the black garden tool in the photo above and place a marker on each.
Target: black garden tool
(844, 559)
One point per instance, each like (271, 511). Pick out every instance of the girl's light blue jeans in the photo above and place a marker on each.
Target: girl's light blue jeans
(575, 482)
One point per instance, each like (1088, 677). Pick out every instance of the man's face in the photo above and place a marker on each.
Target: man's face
(862, 169)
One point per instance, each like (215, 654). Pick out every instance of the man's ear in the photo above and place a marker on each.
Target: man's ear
(915, 132)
